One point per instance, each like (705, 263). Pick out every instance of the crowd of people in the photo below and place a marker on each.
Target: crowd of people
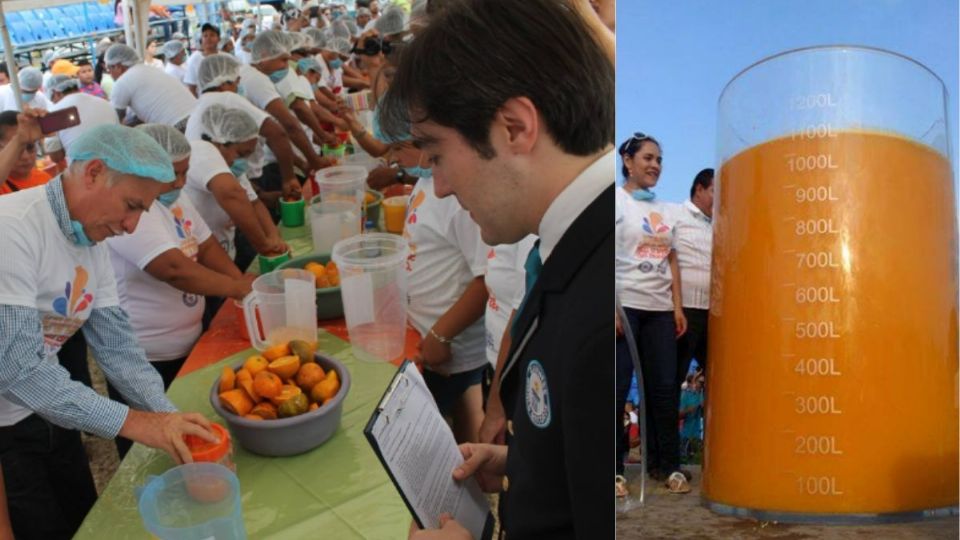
(157, 200)
(663, 285)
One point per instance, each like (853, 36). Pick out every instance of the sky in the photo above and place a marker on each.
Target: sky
(675, 56)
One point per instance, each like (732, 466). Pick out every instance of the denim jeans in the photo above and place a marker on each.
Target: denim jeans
(693, 343)
(47, 478)
(655, 333)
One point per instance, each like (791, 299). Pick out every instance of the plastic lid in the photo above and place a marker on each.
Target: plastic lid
(203, 450)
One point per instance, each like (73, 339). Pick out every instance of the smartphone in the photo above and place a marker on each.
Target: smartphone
(57, 120)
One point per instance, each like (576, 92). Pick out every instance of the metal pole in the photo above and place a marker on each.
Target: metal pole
(11, 59)
(127, 32)
(90, 41)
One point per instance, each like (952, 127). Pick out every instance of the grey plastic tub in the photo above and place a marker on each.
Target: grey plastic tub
(288, 436)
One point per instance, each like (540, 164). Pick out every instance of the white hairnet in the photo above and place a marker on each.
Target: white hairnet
(393, 20)
(217, 69)
(172, 48)
(170, 138)
(351, 25)
(339, 46)
(121, 54)
(317, 36)
(267, 46)
(247, 31)
(224, 125)
(341, 30)
(249, 23)
(30, 79)
(306, 42)
(61, 83)
(124, 150)
(363, 11)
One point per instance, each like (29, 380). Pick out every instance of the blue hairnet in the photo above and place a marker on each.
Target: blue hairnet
(124, 150)
(121, 54)
(61, 83)
(30, 79)
(309, 63)
(170, 138)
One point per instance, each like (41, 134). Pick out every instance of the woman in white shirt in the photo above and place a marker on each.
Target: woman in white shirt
(648, 287)
(166, 267)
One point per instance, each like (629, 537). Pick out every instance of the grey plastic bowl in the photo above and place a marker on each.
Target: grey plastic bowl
(329, 301)
(288, 436)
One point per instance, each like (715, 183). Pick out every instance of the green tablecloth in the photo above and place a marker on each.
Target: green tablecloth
(337, 491)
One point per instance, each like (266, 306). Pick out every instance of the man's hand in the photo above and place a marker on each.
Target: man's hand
(485, 462)
(28, 127)
(276, 246)
(166, 431)
(449, 530)
(291, 188)
(493, 427)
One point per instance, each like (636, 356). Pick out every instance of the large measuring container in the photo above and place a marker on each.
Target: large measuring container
(832, 386)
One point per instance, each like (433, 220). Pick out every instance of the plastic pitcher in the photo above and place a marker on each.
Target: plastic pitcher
(285, 303)
(332, 221)
(195, 501)
(373, 284)
(346, 183)
(832, 370)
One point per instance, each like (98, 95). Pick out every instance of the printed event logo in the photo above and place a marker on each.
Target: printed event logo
(653, 224)
(415, 203)
(190, 299)
(537, 395)
(184, 226)
(75, 297)
(67, 318)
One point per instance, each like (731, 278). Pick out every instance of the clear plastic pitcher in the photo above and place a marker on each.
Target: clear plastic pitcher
(373, 284)
(332, 221)
(832, 372)
(286, 303)
(345, 183)
(195, 501)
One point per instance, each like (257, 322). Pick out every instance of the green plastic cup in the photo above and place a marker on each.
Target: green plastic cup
(269, 264)
(291, 212)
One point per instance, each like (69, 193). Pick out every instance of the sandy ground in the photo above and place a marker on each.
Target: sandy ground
(102, 452)
(669, 516)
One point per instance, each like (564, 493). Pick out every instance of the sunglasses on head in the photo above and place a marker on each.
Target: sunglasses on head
(373, 47)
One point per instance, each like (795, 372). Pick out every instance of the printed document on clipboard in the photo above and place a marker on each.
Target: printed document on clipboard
(417, 448)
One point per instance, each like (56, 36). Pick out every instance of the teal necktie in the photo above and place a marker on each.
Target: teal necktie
(532, 268)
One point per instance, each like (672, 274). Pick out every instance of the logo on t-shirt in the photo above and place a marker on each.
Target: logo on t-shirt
(412, 220)
(653, 224)
(537, 396)
(184, 226)
(69, 310)
(190, 299)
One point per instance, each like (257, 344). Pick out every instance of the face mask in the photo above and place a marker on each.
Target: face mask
(279, 74)
(303, 64)
(167, 199)
(28, 96)
(418, 171)
(336, 63)
(335, 15)
(240, 91)
(238, 167)
(81, 237)
(643, 195)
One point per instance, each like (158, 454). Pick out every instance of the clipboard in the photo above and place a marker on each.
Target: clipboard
(415, 446)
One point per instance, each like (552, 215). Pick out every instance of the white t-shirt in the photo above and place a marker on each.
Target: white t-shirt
(154, 96)
(167, 321)
(644, 237)
(506, 283)
(324, 70)
(257, 87)
(194, 131)
(446, 254)
(156, 63)
(93, 112)
(206, 163)
(243, 56)
(192, 68)
(694, 245)
(290, 88)
(178, 72)
(8, 102)
(42, 269)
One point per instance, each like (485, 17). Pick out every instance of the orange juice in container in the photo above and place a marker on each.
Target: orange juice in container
(832, 379)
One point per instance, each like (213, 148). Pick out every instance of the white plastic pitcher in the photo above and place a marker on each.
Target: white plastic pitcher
(344, 183)
(373, 285)
(286, 303)
(332, 221)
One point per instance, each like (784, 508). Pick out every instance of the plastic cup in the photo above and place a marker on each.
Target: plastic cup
(194, 501)
(269, 263)
(833, 318)
(337, 151)
(394, 213)
(374, 288)
(332, 221)
(292, 212)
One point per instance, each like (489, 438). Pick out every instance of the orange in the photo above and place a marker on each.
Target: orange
(252, 417)
(287, 392)
(332, 374)
(267, 384)
(332, 268)
(325, 389)
(313, 406)
(265, 410)
(285, 367)
(309, 375)
(322, 282)
(228, 379)
(236, 401)
(255, 364)
(334, 280)
(243, 374)
(278, 350)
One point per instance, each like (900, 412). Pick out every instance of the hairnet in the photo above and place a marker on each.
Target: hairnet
(290, 41)
(30, 79)
(306, 42)
(246, 31)
(393, 20)
(61, 83)
(217, 69)
(267, 46)
(339, 29)
(352, 27)
(124, 150)
(121, 54)
(339, 46)
(177, 35)
(102, 47)
(317, 36)
(364, 11)
(249, 23)
(172, 48)
(309, 63)
(170, 138)
(224, 125)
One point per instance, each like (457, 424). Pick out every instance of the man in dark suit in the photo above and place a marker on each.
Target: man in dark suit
(511, 104)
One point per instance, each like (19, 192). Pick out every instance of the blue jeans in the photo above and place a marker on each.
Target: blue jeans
(47, 478)
(655, 333)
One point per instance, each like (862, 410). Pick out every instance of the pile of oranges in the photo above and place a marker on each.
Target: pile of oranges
(326, 275)
(285, 381)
